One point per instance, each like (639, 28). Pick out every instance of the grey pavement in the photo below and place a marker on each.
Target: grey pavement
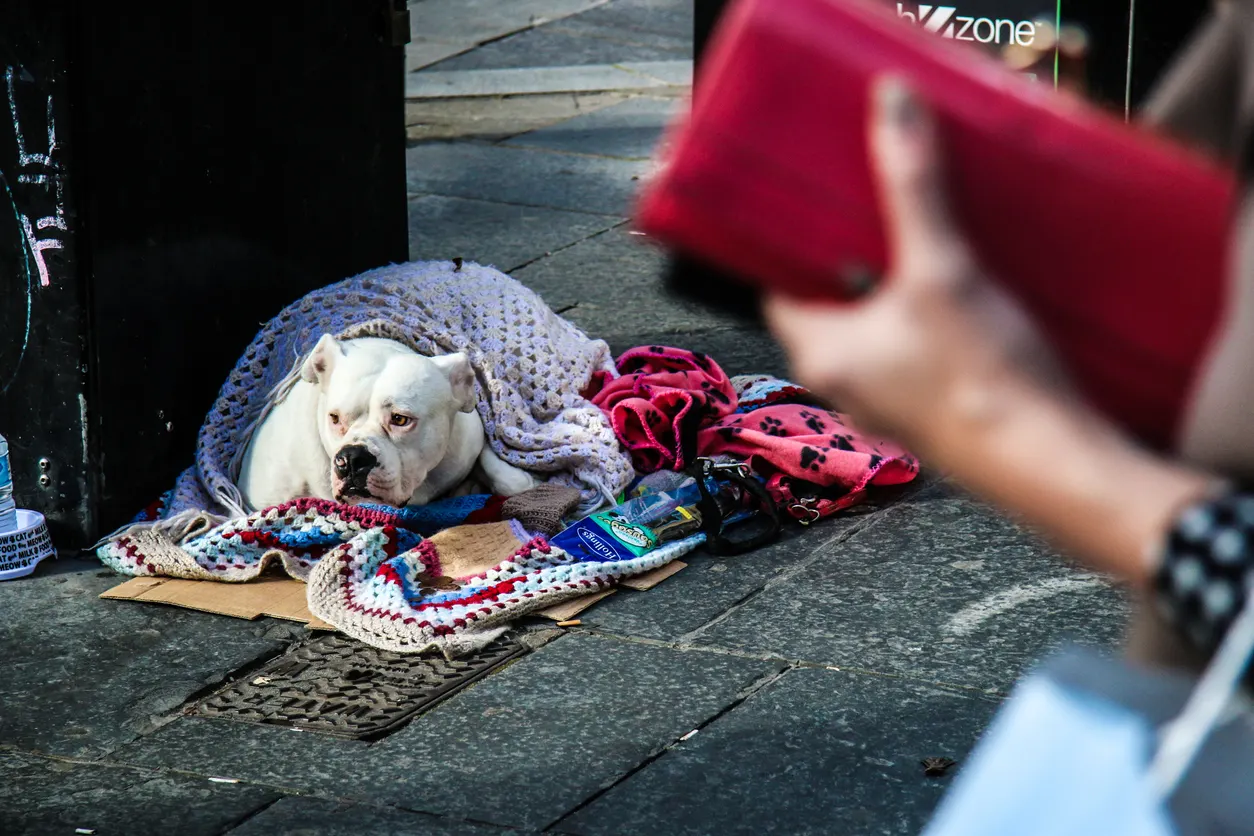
(791, 690)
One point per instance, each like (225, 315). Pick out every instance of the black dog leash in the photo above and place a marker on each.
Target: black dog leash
(712, 513)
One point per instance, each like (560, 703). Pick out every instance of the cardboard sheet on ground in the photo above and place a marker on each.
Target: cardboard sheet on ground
(283, 597)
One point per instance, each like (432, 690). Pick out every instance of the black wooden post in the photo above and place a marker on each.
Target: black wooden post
(705, 15)
(170, 178)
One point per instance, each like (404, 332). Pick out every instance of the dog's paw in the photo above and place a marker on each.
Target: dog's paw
(503, 478)
(471, 487)
(512, 484)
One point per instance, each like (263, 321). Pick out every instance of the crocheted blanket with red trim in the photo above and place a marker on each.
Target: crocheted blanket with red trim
(387, 576)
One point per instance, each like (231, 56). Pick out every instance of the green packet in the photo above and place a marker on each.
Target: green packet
(608, 535)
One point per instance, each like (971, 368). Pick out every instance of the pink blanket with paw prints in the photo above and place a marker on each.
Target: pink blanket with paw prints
(671, 405)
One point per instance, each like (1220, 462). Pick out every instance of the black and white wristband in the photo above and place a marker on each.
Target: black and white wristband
(1207, 566)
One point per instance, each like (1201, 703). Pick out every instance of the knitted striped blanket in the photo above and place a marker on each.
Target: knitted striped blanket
(531, 367)
(448, 576)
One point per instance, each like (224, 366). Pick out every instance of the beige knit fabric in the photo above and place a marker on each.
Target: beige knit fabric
(542, 509)
(468, 550)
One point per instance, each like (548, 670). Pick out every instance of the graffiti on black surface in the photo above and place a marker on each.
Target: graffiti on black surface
(31, 195)
(38, 168)
(16, 333)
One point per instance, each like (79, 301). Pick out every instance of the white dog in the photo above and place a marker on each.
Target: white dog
(372, 421)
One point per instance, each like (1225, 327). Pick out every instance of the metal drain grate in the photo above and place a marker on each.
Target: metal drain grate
(336, 685)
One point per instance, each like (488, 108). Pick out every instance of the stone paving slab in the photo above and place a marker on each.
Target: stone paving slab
(423, 52)
(520, 748)
(630, 130)
(476, 21)
(710, 585)
(941, 590)
(560, 78)
(322, 817)
(551, 46)
(815, 752)
(615, 280)
(523, 176)
(257, 754)
(82, 675)
(40, 797)
(491, 119)
(499, 234)
(659, 23)
(737, 351)
(621, 30)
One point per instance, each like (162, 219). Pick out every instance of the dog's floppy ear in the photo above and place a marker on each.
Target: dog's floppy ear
(321, 361)
(461, 376)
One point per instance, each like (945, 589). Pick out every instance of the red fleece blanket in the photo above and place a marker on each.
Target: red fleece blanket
(671, 405)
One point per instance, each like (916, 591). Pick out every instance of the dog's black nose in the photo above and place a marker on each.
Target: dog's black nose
(353, 463)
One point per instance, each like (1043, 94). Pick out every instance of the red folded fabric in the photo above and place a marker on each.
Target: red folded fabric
(662, 400)
(671, 405)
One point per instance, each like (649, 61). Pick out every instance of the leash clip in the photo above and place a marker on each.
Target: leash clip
(738, 468)
(808, 506)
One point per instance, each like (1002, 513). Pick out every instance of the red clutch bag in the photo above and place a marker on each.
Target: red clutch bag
(1115, 240)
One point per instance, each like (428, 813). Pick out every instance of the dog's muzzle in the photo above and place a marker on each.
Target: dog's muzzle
(353, 465)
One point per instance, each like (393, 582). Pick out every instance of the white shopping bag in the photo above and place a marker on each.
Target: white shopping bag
(1061, 761)
(1056, 761)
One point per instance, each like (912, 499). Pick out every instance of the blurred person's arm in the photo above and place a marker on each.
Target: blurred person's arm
(941, 360)
(1199, 100)
(1206, 100)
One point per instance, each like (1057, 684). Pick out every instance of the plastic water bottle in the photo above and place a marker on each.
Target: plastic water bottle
(8, 510)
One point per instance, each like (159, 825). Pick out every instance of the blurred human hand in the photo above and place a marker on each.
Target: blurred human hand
(936, 341)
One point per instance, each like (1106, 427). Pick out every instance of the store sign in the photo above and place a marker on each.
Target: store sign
(947, 22)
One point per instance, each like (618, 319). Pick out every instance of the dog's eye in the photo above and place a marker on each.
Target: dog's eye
(335, 418)
(399, 420)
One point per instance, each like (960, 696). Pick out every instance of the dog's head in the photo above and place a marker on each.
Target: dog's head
(385, 414)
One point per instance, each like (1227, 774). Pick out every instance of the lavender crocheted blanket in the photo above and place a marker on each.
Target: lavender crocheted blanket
(531, 366)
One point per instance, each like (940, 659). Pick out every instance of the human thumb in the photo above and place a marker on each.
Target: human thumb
(906, 161)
